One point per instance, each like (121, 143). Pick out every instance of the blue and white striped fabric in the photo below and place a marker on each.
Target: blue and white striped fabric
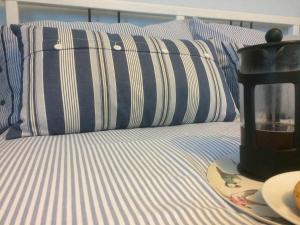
(240, 35)
(5, 91)
(10, 88)
(81, 81)
(149, 176)
(231, 49)
(220, 33)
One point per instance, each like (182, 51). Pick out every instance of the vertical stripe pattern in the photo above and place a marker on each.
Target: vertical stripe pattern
(112, 89)
(10, 60)
(153, 176)
(220, 34)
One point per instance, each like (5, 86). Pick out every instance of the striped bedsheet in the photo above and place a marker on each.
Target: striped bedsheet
(137, 176)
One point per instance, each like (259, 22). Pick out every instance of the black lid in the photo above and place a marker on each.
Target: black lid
(274, 56)
(269, 45)
(273, 38)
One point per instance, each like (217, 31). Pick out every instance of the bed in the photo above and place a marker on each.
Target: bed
(149, 175)
(138, 176)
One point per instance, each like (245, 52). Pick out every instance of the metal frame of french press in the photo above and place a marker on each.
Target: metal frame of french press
(258, 163)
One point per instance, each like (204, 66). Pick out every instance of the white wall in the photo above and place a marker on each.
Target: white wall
(273, 7)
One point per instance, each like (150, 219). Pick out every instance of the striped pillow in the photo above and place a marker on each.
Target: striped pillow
(5, 89)
(231, 49)
(80, 81)
(10, 84)
(224, 33)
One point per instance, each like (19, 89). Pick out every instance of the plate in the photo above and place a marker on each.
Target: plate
(241, 192)
(278, 194)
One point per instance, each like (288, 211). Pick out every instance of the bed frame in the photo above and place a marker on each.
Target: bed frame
(180, 12)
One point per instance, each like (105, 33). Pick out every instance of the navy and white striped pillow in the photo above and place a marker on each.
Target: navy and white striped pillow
(224, 33)
(231, 49)
(10, 77)
(80, 81)
(5, 88)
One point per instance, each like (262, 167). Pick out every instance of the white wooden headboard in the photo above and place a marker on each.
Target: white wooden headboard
(12, 11)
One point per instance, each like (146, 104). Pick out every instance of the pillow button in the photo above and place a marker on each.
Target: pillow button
(117, 47)
(2, 102)
(58, 46)
(207, 56)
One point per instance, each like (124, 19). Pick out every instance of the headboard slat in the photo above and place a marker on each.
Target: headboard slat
(158, 9)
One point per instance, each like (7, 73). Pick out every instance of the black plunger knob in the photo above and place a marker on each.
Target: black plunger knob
(274, 35)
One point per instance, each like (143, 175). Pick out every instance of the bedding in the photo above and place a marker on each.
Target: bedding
(223, 33)
(10, 88)
(81, 81)
(137, 176)
(231, 49)
(5, 91)
(240, 35)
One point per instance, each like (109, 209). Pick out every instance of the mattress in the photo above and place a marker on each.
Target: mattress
(137, 176)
